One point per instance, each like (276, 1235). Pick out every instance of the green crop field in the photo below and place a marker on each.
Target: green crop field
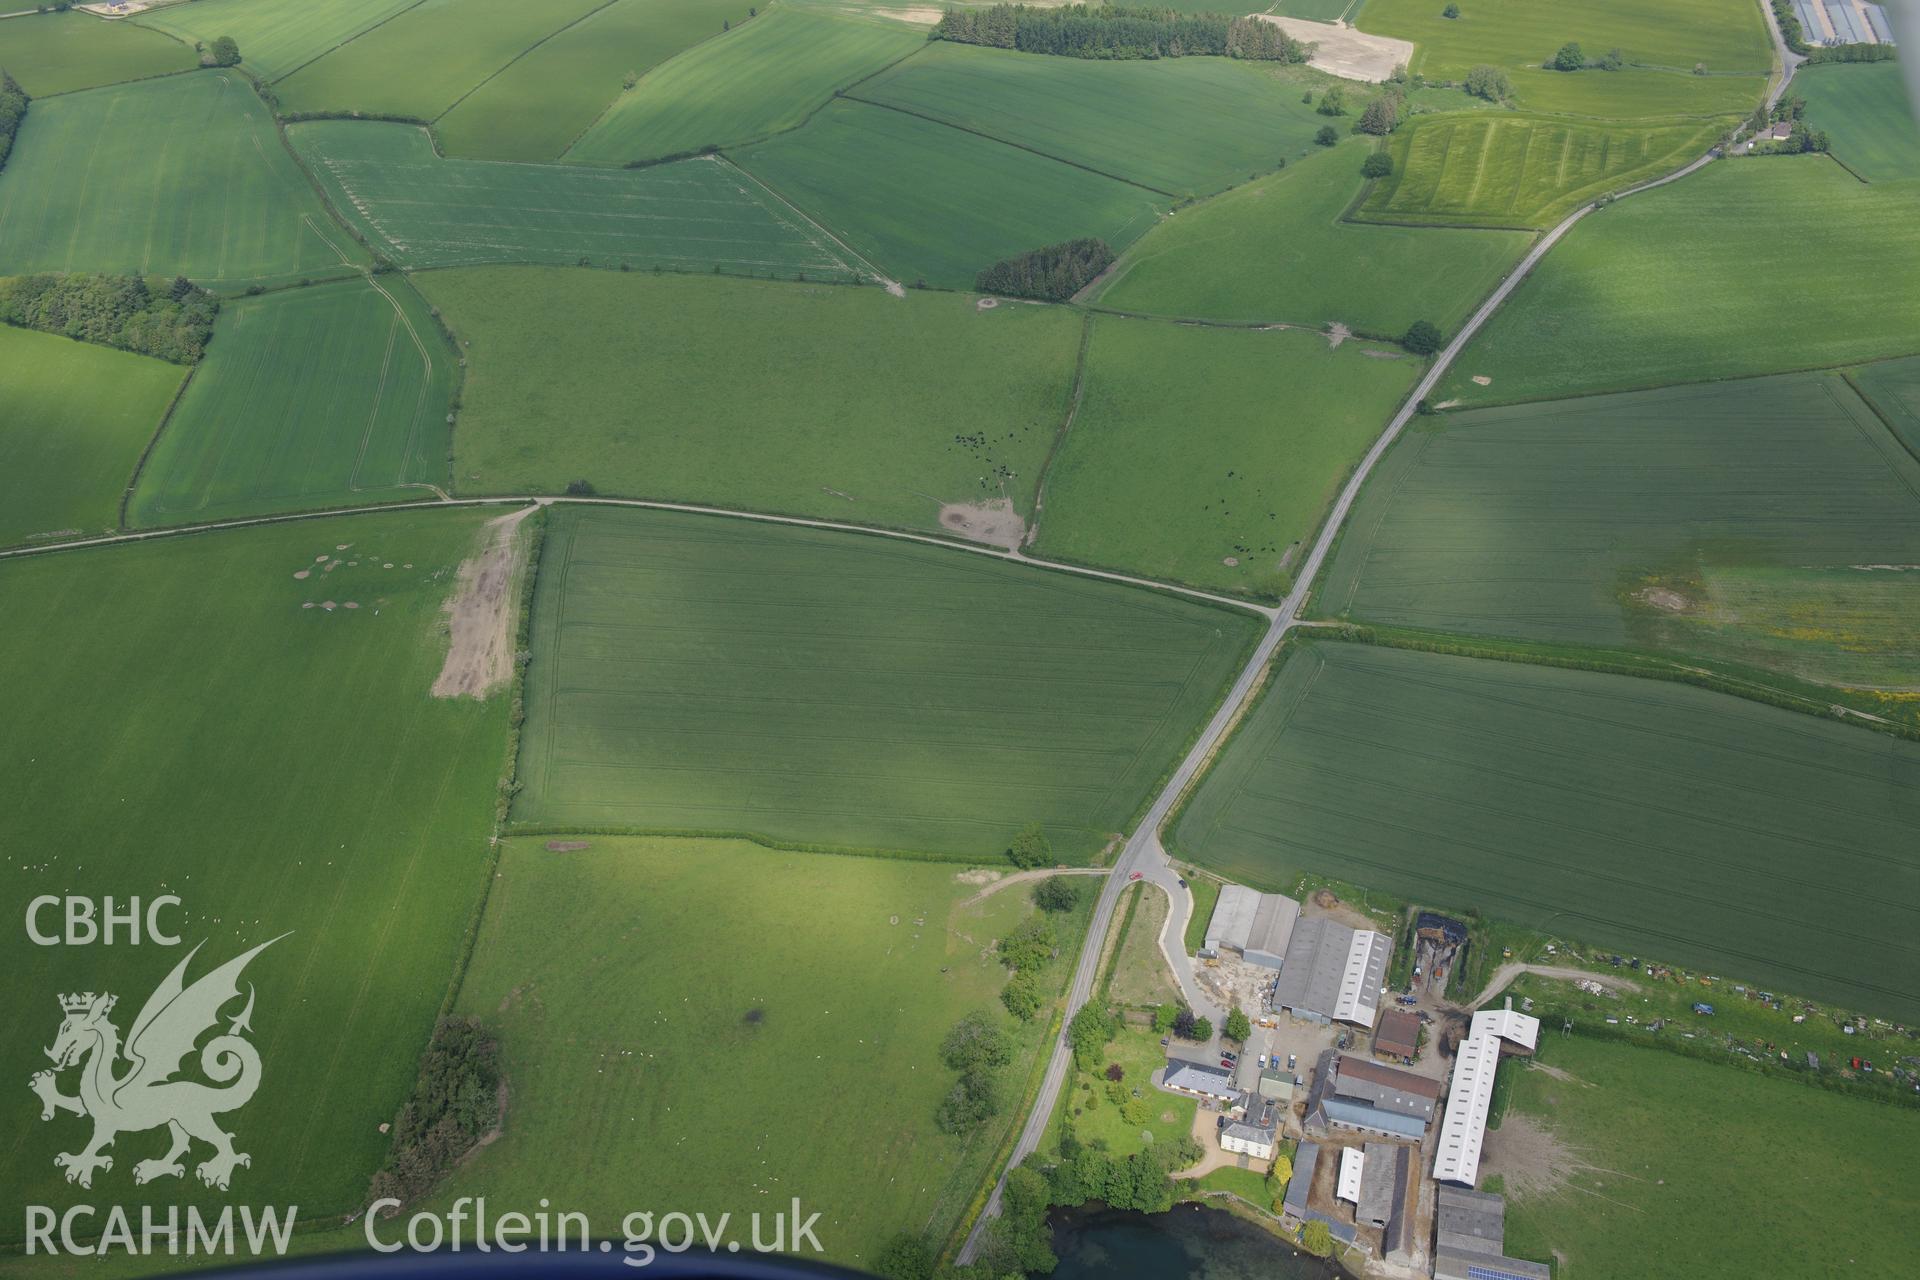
(928, 201)
(75, 421)
(1157, 123)
(1224, 498)
(60, 52)
(184, 175)
(276, 37)
(422, 61)
(1863, 109)
(754, 394)
(857, 964)
(700, 673)
(766, 76)
(1737, 521)
(1522, 35)
(422, 211)
(1315, 10)
(181, 721)
(307, 398)
(536, 108)
(1278, 250)
(1655, 1165)
(1717, 832)
(1665, 287)
(1893, 387)
(1503, 169)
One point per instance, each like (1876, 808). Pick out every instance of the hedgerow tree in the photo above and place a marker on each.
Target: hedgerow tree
(1489, 82)
(1030, 848)
(1091, 1030)
(907, 1257)
(1164, 1016)
(1327, 136)
(1021, 995)
(1057, 893)
(1376, 165)
(1423, 338)
(1569, 58)
(1316, 1239)
(1333, 102)
(1451, 11)
(224, 51)
(1382, 115)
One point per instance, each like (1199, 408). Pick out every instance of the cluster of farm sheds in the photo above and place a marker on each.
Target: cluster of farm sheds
(1843, 22)
(1388, 1157)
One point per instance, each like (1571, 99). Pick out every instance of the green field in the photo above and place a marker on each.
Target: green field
(927, 201)
(1736, 521)
(1865, 113)
(699, 673)
(276, 37)
(1510, 170)
(184, 175)
(1668, 287)
(1893, 387)
(857, 968)
(1716, 832)
(766, 76)
(1521, 35)
(1137, 972)
(1157, 123)
(1669, 1162)
(76, 419)
(60, 52)
(1209, 456)
(180, 722)
(697, 215)
(846, 404)
(421, 62)
(1277, 250)
(536, 108)
(310, 398)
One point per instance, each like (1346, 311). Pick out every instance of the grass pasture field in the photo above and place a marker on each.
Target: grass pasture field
(1507, 169)
(276, 37)
(1137, 972)
(1893, 388)
(696, 673)
(838, 403)
(1662, 1158)
(191, 726)
(766, 76)
(1733, 521)
(928, 201)
(77, 417)
(1279, 250)
(1721, 833)
(306, 398)
(1157, 122)
(858, 966)
(1864, 111)
(1666, 287)
(1229, 496)
(423, 211)
(420, 62)
(183, 175)
(52, 53)
(1522, 35)
(537, 106)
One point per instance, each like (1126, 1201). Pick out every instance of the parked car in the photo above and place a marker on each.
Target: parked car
(1227, 1064)
(1135, 876)
(1292, 1058)
(1163, 1042)
(1263, 1060)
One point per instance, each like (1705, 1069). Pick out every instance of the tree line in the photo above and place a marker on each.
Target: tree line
(1116, 31)
(455, 1102)
(173, 323)
(1054, 273)
(13, 109)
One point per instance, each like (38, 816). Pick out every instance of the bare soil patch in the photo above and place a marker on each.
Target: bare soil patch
(1664, 598)
(1532, 1161)
(993, 522)
(480, 614)
(1482, 380)
(1337, 333)
(1341, 51)
(566, 846)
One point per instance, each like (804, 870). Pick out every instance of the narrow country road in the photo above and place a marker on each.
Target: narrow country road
(1143, 852)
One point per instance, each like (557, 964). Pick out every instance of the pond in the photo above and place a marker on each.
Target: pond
(1187, 1243)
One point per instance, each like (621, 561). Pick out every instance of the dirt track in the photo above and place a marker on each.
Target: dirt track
(480, 614)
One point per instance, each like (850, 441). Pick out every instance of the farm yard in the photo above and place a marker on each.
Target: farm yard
(697, 215)
(62, 52)
(76, 419)
(648, 473)
(1748, 522)
(292, 773)
(1663, 288)
(1277, 250)
(312, 398)
(766, 77)
(179, 175)
(926, 201)
(702, 674)
(1227, 501)
(625, 1116)
(1632, 813)
(688, 390)
(1616, 1158)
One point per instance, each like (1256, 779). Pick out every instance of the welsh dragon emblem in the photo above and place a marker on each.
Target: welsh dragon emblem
(143, 1093)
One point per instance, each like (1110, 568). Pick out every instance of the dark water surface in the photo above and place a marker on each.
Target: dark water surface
(1188, 1243)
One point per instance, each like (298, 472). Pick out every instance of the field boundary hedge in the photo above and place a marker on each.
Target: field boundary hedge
(515, 830)
(153, 442)
(1066, 425)
(1261, 690)
(497, 71)
(341, 44)
(1880, 413)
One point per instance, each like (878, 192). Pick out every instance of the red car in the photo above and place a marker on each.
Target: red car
(1135, 876)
